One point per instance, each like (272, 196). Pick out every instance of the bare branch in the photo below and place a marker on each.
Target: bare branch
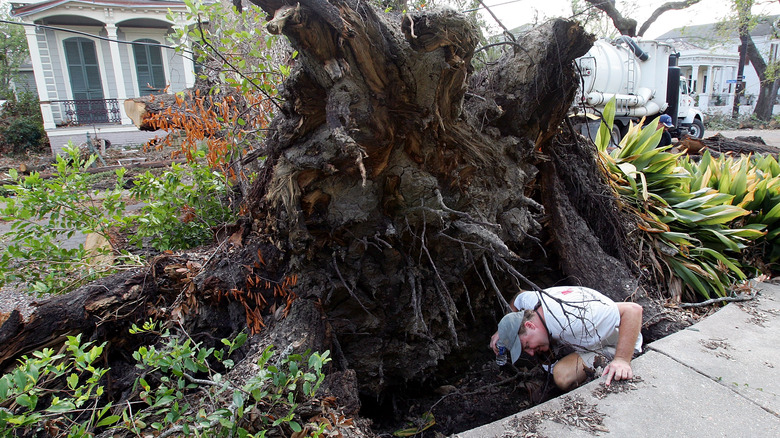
(669, 6)
(626, 26)
(501, 299)
(719, 300)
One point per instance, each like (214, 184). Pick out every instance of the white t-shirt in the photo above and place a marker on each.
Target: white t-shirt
(578, 316)
(526, 301)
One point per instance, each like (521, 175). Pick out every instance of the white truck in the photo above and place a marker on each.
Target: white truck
(644, 78)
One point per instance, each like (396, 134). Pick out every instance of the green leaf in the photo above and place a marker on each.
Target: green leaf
(690, 279)
(608, 116)
(59, 406)
(238, 398)
(722, 214)
(27, 400)
(73, 381)
(111, 419)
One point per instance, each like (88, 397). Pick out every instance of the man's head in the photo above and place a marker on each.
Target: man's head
(666, 121)
(523, 331)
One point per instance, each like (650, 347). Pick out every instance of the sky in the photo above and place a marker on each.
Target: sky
(513, 13)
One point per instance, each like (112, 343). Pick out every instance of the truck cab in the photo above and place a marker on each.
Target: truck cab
(690, 119)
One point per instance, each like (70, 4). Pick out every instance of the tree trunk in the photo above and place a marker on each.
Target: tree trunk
(767, 95)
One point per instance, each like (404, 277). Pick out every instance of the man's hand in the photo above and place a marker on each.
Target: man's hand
(618, 369)
(493, 342)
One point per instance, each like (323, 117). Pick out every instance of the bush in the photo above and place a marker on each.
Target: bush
(183, 204)
(699, 220)
(21, 126)
(42, 213)
(23, 134)
(179, 392)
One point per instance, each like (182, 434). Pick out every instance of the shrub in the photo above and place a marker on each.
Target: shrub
(43, 212)
(693, 223)
(21, 126)
(23, 133)
(183, 205)
(181, 391)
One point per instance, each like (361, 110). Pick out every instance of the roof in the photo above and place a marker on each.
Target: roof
(721, 30)
(27, 8)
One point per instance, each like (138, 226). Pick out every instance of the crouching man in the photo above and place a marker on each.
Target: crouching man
(592, 324)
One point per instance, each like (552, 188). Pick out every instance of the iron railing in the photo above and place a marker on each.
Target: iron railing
(89, 112)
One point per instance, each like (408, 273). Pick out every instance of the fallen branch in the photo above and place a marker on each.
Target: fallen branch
(719, 300)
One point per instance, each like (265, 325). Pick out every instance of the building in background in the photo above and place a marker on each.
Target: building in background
(709, 59)
(89, 56)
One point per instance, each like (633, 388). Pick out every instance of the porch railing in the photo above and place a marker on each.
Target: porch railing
(88, 112)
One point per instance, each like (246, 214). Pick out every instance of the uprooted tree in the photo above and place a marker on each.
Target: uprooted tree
(403, 198)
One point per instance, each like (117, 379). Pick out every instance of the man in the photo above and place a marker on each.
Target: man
(578, 317)
(665, 123)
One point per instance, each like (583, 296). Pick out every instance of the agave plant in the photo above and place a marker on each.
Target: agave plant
(692, 243)
(755, 184)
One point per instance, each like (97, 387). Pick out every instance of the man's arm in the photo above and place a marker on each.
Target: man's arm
(630, 325)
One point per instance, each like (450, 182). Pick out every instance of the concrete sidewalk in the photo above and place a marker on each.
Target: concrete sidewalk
(718, 378)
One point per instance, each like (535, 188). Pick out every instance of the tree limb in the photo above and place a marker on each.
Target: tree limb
(663, 8)
(719, 300)
(626, 26)
(755, 57)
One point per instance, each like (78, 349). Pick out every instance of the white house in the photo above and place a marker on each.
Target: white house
(709, 58)
(89, 56)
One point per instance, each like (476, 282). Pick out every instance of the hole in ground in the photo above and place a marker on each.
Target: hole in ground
(485, 393)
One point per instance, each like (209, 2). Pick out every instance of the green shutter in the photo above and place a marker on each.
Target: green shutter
(149, 67)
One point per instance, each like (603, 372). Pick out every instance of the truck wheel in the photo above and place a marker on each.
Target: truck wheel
(696, 129)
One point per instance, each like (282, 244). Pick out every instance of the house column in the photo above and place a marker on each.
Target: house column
(694, 78)
(40, 79)
(187, 55)
(708, 87)
(119, 75)
(706, 90)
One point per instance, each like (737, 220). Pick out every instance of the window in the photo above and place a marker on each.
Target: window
(83, 69)
(85, 82)
(149, 67)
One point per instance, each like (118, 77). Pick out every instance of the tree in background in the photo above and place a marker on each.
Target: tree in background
(626, 25)
(766, 69)
(742, 20)
(13, 50)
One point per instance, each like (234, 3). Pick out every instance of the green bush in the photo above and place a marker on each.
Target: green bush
(181, 391)
(21, 126)
(23, 134)
(183, 205)
(43, 212)
(693, 215)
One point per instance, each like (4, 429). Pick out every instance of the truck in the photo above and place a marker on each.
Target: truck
(644, 78)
